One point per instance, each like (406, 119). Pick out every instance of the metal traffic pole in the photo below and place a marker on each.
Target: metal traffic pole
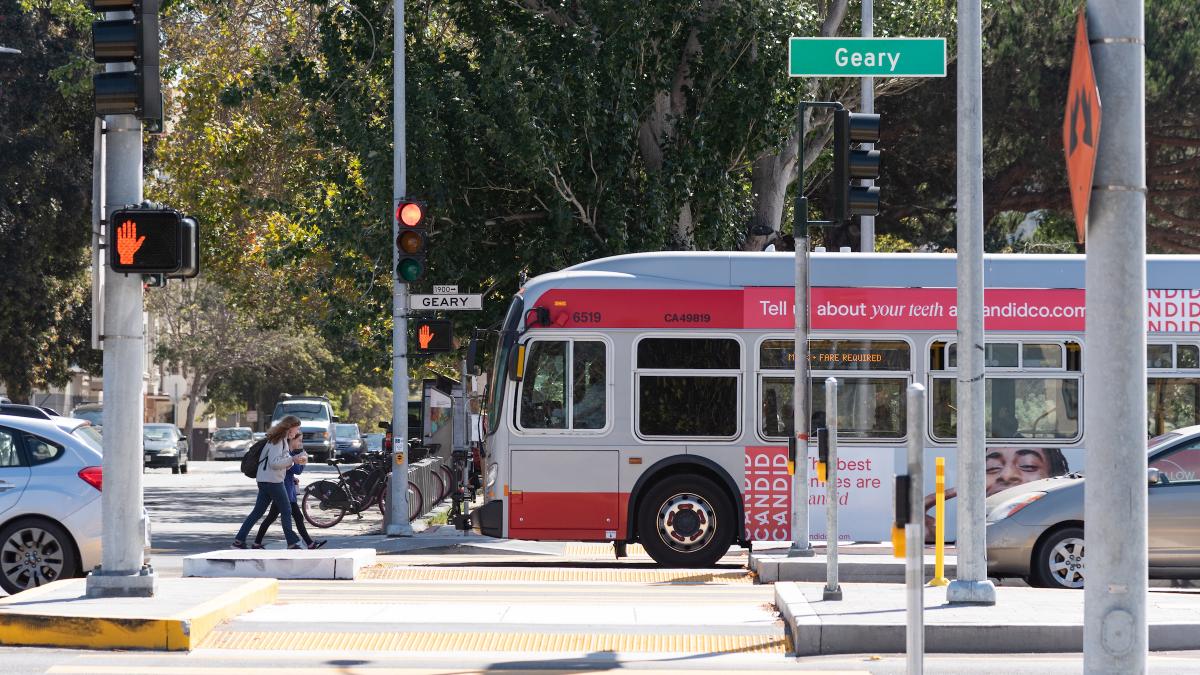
(971, 585)
(914, 532)
(801, 546)
(398, 525)
(833, 591)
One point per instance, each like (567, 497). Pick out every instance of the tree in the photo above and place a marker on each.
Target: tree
(206, 335)
(45, 138)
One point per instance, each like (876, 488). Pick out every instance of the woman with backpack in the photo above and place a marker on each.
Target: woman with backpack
(290, 483)
(273, 464)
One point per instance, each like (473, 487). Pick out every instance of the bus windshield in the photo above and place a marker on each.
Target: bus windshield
(504, 342)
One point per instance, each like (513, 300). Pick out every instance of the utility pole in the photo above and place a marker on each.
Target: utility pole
(867, 223)
(123, 571)
(972, 585)
(1115, 637)
(398, 525)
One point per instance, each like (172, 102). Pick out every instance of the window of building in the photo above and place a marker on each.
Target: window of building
(688, 387)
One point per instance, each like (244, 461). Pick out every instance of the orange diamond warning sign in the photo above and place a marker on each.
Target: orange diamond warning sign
(1081, 127)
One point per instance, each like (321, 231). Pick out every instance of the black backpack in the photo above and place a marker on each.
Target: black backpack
(253, 458)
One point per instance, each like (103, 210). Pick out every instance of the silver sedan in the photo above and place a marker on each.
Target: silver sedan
(1035, 530)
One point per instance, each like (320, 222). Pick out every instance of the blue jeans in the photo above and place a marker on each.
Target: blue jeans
(268, 493)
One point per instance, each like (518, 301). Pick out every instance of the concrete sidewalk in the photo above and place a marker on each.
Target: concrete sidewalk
(871, 619)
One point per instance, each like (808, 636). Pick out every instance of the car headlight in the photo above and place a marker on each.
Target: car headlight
(169, 451)
(1012, 506)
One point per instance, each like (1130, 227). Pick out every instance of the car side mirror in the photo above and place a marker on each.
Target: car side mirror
(1153, 476)
(336, 419)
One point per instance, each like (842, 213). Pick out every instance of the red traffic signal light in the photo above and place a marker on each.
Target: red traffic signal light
(153, 241)
(411, 240)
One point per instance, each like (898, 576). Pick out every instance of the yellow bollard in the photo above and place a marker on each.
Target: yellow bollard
(939, 559)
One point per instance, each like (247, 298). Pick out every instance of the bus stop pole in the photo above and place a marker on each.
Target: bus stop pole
(914, 532)
(833, 591)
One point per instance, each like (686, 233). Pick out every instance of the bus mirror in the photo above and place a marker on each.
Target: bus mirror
(517, 368)
(538, 316)
(471, 350)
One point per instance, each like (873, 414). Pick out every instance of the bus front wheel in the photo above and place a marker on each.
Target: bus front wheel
(686, 521)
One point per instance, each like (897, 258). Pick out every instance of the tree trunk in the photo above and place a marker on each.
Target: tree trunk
(18, 392)
(197, 386)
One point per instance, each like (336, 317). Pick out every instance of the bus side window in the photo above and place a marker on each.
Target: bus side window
(588, 391)
(543, 390)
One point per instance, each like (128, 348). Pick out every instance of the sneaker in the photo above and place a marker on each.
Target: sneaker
(295, 546)
(257, 545)
(316, 544)
(238, 544)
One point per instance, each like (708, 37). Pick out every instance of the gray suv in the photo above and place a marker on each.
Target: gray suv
(316, 422)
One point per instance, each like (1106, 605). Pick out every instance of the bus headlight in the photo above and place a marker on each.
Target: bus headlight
(493, 471)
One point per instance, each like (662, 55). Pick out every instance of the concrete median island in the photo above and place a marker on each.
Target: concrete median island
(280, 563)
(871, 619)
(177, 618)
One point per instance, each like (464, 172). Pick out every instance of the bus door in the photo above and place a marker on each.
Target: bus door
(564, 481)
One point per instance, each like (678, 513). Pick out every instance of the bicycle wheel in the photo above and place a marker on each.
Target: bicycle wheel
(450, 478)
(325, 503)
(439, 486)
(416, 502)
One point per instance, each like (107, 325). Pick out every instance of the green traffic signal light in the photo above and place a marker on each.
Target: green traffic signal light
(409, 270)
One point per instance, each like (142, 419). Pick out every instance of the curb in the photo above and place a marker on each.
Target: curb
(181, 631)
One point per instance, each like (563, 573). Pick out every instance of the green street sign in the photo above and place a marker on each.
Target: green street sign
(867, 57)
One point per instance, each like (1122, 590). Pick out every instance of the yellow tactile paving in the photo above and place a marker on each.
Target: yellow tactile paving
(400, 573)
(497, 642)
(601, 550)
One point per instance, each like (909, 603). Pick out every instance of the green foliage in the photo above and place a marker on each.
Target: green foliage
(45, 140)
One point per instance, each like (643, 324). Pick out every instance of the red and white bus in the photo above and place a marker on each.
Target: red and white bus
(647, 397)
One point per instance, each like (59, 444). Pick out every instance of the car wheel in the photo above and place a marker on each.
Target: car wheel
(33, 553)
(1058, 562)
(686, 521)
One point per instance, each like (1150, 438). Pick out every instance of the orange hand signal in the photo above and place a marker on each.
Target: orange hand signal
(424, 336)
(128, 241)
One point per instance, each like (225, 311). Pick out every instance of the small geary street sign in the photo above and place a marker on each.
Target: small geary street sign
(1081, 127)
(445, 302)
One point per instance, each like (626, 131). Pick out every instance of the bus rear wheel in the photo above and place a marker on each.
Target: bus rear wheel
(686, 521)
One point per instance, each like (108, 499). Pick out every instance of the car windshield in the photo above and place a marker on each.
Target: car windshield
(1159, 440)
(232, 435)
(158, 434)
(90, 437)
(347, 431)
(308, 412)
(93, 416)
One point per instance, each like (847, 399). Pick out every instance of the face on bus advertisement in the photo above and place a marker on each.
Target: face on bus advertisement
(1005, 467)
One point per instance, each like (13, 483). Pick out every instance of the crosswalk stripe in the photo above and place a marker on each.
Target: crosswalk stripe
(652, 576)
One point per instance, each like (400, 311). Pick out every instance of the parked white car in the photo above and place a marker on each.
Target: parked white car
(50, 482)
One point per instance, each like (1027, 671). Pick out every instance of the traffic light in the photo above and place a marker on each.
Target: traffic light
(411, 240)
(433, 336)
(134, 41)
(851, 164)
(153, 241)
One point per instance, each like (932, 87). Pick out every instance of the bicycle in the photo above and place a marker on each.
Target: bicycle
(326, 502)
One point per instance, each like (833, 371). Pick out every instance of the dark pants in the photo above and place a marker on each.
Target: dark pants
(297, 518)
(275, 495)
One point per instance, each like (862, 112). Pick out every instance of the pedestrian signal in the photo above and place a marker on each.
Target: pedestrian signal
(153, 241)
(433, 336)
